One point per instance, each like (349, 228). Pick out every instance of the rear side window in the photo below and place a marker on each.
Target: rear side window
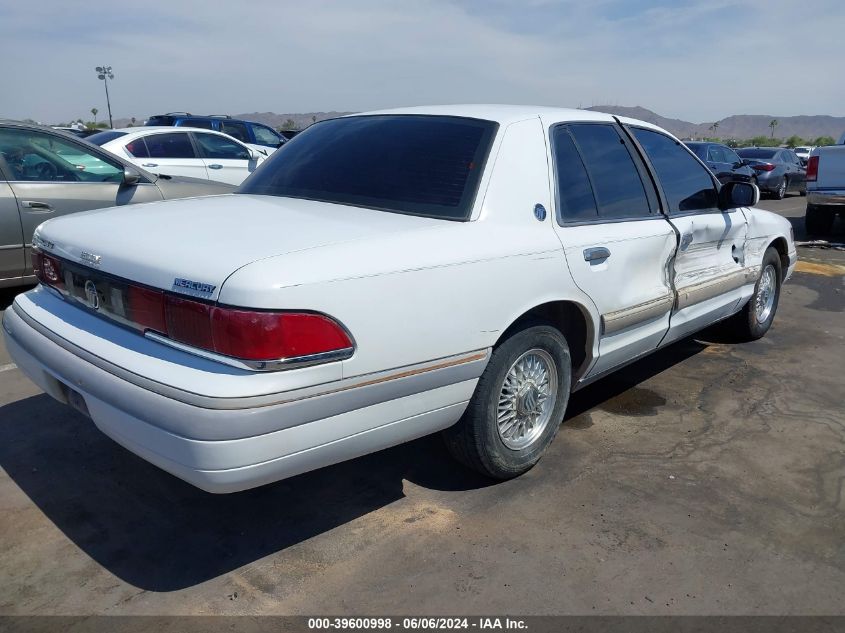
(160, 120)
(176, 145)
(138, 148)
(575, 195)
(686, 183)
(200, 123)
(235, 130)
(616, 182)
(415, 164)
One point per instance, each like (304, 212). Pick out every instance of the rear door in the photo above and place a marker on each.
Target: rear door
(170, 153)
(225, 159)
(709, 268)
(52, 176)
(617, 244)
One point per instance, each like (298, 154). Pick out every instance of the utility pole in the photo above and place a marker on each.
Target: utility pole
(105, 73)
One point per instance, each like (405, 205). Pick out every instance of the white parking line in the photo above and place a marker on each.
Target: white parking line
(8, 367)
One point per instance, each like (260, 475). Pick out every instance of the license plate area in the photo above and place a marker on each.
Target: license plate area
(75, 399)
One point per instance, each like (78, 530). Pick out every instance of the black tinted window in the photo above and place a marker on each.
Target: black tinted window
(201, 123)
(615, 179)
(235, 130)
(756, 152)
(575, 196)
(423, 165)
(170, 145)
(686, 183)
(214, 146)
(699, 150)
(104, 137)
(717, 155)
(138, 148)
(160, 120)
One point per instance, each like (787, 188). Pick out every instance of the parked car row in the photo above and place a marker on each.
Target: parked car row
(385, 276)
(260, 136)
(774, 170)
(46, 173)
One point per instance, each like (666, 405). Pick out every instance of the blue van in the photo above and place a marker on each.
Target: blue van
(245, 131)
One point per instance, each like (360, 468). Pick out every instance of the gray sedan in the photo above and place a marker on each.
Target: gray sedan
(778, 171)
(45, 173)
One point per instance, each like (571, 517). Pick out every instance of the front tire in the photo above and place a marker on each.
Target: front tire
(755, 319)
(517, 406)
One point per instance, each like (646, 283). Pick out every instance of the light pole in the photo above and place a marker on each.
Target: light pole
(104, 73)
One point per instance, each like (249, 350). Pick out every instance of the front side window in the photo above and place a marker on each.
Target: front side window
(265, 136)
(175, 145)
(576, 201)
(235, 130)
(686, 183)
(215, 146)
(37, 156)
(415, 164)
(615, 179)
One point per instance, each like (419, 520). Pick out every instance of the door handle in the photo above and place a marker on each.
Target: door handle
(593, 254)
(150, 165)
(215, 166)
(37, 205)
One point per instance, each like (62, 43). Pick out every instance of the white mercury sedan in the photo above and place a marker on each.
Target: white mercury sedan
(389, 275)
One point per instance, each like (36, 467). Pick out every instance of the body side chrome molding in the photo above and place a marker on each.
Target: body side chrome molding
(613, 322)
(704, 290)
(382, 386)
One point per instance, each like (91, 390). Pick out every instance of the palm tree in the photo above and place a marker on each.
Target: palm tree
(773, 124)
(94, 112)
(714, 127)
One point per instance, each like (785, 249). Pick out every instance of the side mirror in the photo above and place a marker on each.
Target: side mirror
(738, 194)
(130, 176)
(254, 154)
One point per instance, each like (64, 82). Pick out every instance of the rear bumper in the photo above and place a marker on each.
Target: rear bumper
(218, 449)
(826, 197)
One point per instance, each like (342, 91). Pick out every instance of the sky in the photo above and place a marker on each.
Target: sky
(699, 61)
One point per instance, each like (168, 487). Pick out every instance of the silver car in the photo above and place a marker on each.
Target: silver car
(778, 171)
(45, 173)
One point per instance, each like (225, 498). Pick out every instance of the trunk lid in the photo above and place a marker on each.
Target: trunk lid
(191, 246)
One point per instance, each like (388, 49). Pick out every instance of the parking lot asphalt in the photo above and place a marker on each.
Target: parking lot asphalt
(708, 478)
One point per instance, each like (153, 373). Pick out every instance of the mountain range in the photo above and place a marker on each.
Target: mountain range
(737, 126)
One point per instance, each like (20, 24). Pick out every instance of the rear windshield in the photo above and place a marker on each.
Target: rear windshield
(420, 165)
(754, 152)
(101, 138)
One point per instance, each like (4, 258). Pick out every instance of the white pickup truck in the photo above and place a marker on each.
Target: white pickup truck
(825, 187)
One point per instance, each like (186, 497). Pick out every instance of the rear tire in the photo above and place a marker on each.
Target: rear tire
(818, 221)
(517, 406)
(780, 192)
(755, 319)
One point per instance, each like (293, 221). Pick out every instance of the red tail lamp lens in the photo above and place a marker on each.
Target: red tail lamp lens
(188, 321)
(813, 168)
(763, 167)
(47, 269)
(268, 335)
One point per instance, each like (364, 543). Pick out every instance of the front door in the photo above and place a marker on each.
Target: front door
(709, 270)
(11, 236)
(617, 244)
(225, 159)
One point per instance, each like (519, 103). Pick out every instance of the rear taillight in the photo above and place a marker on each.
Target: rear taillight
(763, 167)
(813, 168)
(47, 269)
(250, 334)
